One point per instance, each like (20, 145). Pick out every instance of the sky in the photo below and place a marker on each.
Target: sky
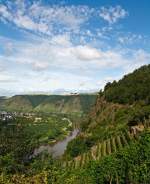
(54, 46)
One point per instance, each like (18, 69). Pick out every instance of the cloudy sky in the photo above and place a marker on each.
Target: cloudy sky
(73, 45)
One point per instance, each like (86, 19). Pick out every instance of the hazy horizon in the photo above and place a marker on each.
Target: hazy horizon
(56, 92)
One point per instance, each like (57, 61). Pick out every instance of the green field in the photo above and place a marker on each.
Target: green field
(49, 129)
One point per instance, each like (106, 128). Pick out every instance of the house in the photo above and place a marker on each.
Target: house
(37, 119)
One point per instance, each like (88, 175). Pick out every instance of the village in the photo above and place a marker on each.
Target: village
(7, 116)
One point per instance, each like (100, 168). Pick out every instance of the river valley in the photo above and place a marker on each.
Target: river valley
(57, 149)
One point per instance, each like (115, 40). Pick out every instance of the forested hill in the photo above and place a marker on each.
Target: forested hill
(49, 103)
(121, 106)
(133, 87)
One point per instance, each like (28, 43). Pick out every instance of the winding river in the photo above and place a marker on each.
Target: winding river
(57, 149)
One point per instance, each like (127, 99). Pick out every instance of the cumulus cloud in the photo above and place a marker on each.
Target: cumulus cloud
(86, 53)
(112, 14)
(59, 53)
(53, 54)
(46, 67)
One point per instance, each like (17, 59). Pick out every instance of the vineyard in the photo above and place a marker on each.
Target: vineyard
(107, 147)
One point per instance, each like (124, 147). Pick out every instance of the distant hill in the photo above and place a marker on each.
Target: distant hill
(75, 103)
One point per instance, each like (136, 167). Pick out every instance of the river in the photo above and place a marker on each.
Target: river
(57, 149)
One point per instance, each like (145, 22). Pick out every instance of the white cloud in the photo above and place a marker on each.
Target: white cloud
(136, 59)
(69, 72)
(86, 53)
(5, 77)
(141, 55)
(130, 38)
(62, 40)
(112, 14)
(59, 53)
(56, 19)
(52, 54)
(44, 19)
(58, 59)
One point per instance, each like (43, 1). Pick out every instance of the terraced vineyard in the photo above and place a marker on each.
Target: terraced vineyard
(107, 147)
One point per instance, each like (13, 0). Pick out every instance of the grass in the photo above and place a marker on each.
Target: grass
(48, 130)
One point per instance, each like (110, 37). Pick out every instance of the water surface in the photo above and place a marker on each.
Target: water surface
(57, 149)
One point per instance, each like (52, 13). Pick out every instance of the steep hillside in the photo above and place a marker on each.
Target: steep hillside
(49, 103)
(119, 108)
(2, 98)
(63, 104)
(36, 99)
(133, 87)
(67, 104)
(20, 103)
(121, 104)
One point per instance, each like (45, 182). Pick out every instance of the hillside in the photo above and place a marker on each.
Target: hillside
(116, 111)
(133, 87)
(113, 146)
(121, 105)
(110, 146)
(49, 103)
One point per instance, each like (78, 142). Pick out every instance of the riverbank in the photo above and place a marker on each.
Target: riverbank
(58, 148)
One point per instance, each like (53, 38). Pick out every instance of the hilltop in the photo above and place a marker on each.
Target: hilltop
(131, 88)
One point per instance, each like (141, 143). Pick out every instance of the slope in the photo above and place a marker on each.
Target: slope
(49, 103)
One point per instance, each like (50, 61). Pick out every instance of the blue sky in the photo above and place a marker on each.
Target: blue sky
(53, 46)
